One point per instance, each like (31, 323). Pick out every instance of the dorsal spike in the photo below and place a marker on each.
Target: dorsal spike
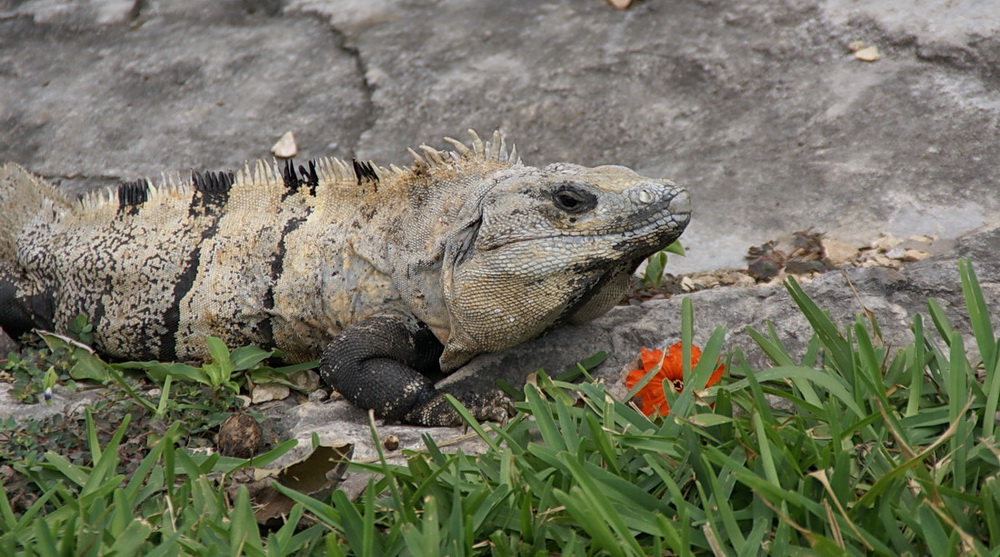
(132, 194)
(417, 159)
(245, 175)
(364, 172)
(260, 173)
(512, 157)
(310, 176)
(460, 147)
(433, 155)
(212, 183)
(174, 181)
(495, 146)
(477, 144)
(326, 170)
(289, 176)
(338, 168)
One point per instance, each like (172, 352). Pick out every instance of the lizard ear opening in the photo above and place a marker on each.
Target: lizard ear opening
(461, 244)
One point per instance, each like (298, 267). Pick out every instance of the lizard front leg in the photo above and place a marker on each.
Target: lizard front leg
(383, 363)
(19, 314)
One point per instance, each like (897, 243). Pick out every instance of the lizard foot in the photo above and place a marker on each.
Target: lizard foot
(492, 406)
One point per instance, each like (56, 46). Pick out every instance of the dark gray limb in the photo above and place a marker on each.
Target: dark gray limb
(383, 363)
(20, 314)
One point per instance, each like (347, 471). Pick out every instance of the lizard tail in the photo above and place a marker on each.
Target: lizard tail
(22, 196)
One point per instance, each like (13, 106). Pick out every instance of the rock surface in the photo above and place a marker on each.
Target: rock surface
(760, 107)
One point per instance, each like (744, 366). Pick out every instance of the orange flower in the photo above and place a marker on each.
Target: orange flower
(651, 396)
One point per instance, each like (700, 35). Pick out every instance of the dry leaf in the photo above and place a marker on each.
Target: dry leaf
(316, 475)
(285, 148)
(869, 54)
(838, 252)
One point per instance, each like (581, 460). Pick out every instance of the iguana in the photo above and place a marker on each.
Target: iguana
(393, 275)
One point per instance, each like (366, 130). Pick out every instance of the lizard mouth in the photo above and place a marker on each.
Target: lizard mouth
(667, 216)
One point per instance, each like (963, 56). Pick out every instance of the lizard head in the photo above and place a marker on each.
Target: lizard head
(545, 246)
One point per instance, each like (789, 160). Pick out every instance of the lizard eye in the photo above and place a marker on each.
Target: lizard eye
(573, 199)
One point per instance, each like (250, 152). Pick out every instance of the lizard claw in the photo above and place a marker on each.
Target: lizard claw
(491, 406)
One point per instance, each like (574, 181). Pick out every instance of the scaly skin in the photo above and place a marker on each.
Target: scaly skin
(390, 274)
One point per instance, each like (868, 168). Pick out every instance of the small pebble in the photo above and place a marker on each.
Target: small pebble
(267, 392)
(838, 252)
(911, 255)
(307, 379)
(688, 285)
(895, 253)
(240, 436)
(391, 442)
(319, 395)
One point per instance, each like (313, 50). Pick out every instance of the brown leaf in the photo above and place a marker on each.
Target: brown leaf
(316, 475)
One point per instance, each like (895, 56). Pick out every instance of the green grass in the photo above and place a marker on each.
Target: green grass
(872, 451)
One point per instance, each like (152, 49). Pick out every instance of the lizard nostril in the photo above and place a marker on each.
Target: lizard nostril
(645, 196)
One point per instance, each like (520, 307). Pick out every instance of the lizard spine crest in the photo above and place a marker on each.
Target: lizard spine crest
(325, 173)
